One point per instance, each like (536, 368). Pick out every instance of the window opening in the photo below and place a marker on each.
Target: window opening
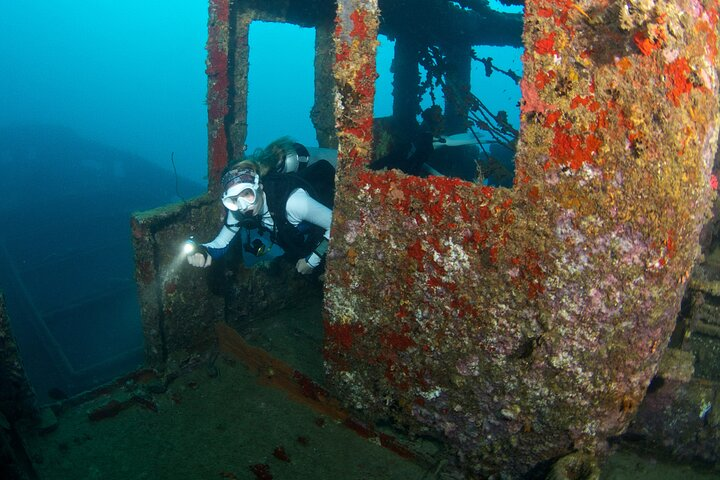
(383, 84)
(479, 148)
(281, 83)
(281, 92)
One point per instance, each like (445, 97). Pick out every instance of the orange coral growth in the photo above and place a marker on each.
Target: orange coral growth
(484, 213)
(487, 192)
(677, 79)
(601, 120)
(574, 150)
(216, 62)
(531, 101)
(561, 13)
(644, 44)
(545, 12)
(362, 131)
(711, 29)
(546, 45)
(478, 238)
(343, 53)
(416, 252)
(653, 39)
(360, 29)
(552, 118)
(711, 37)
(398, 342)
(670, 243)
(493, 253)
(221, 9)
(534, 194)
(542, 78)
(587, 101)
(365, 80)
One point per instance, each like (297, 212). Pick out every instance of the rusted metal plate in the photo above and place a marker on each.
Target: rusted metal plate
(521, 324)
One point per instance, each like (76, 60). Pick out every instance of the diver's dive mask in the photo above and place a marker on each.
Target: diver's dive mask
(242, 189)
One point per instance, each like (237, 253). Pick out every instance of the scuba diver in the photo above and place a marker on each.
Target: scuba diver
(280, 203)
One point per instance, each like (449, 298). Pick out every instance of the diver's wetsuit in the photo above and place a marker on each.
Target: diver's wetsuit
(296, 221)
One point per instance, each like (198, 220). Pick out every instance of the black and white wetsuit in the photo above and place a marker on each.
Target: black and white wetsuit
(296, 221)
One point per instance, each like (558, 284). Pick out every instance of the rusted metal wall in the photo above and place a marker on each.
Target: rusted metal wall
(522, 324)
(17, 399)
(178, 306)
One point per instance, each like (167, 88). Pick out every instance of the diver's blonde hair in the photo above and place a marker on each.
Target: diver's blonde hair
(268, 158)
(247, 163)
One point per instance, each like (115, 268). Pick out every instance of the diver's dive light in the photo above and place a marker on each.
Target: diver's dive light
(190, 246)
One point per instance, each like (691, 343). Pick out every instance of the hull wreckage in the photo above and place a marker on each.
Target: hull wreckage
(522, 327)
(522, 324)
(518, 325)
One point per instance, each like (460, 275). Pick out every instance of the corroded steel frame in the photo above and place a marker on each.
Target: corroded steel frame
(521, 324)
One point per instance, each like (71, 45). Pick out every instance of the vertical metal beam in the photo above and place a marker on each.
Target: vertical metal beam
(218, 85)
(323, 114)
(238, 94)
(355, 43)
(457, 87)
(406, 78)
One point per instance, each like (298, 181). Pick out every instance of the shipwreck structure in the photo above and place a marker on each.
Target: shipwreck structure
(517, 325)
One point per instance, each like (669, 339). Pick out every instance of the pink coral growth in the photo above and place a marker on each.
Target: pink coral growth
(531, 99)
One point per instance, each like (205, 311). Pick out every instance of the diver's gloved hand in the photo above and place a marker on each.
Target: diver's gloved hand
(303, 267)
(199, 259)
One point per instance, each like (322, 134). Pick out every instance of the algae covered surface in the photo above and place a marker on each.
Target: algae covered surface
(520, 325)
(231, 426)
(222, 427)
(627, 465)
